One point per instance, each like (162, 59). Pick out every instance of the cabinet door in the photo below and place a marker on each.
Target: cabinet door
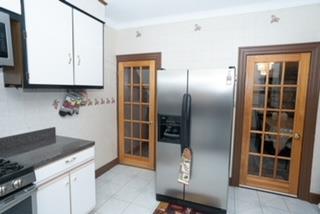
(54, 197)
(12, 5)
(88, 50)
(94, 8)
(49, 42)
(83, 196)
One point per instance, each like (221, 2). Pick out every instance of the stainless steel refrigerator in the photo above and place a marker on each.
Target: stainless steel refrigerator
(195, 110)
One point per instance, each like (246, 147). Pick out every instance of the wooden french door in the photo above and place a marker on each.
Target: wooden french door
(275, 99)
(137, 113)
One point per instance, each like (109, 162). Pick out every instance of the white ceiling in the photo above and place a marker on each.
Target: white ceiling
(135, 13)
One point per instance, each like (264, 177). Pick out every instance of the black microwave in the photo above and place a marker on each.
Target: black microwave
(6, 51)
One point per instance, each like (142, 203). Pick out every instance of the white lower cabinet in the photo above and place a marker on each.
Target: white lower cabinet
(53, 197)
(70, 192)
(83, 190)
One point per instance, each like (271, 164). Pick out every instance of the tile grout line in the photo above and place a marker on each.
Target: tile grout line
(260, 204)
(285, 202)
(234, 198)
(126, 208)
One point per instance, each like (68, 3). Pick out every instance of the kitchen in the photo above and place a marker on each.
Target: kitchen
(213, 42)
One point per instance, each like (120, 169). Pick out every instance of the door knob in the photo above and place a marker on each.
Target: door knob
(79, 59)
(297, 136)
(70, 58)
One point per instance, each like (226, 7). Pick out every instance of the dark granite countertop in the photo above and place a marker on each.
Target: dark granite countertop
(40, 148)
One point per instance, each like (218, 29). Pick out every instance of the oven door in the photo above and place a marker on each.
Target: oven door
(23, 201)
(6, 51)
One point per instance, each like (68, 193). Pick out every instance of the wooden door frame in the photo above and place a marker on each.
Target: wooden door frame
(156, 56)
(310, 116)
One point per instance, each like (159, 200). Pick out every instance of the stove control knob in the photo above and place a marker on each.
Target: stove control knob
(2, 190)
(16, 183)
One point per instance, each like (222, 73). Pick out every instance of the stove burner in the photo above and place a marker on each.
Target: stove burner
(8, 167)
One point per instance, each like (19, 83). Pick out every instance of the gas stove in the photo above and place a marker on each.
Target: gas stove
(14, 176)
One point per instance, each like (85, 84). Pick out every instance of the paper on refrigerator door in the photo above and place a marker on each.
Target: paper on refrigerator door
(185, 167)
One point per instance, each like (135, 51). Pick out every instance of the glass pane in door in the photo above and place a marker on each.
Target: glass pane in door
(254, 165)
(291, 73)
(275, 73)
(259, 94)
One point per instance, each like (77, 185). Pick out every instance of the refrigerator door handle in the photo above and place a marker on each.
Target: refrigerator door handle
(185, 121)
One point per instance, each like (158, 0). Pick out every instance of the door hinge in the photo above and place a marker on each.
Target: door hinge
(27, 76)
(24, 34)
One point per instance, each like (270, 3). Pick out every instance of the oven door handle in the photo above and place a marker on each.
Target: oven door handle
(16, 198)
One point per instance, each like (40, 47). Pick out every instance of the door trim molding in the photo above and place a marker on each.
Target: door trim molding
(311, 108)
(157, 57)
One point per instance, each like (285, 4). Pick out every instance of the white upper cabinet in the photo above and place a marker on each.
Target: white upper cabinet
(88, 50)
(12, 5)
(92, 7)
(49, 42)
(64, 45)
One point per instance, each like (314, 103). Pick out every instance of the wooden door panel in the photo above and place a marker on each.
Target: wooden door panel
(137, 113)
(275, 97)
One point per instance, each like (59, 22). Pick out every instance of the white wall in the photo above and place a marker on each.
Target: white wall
(23, 111)
(216, 45)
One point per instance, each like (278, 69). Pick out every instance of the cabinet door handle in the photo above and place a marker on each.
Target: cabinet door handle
(67, 183)
(79, 60)
(70, 58)
(70, 160)
(75, 179)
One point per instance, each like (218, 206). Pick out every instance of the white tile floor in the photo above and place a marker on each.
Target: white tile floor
(129, 190)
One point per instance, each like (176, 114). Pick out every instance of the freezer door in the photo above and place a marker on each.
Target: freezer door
(171, 88)
(211, 124)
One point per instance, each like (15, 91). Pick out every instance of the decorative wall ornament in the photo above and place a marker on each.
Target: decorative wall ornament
(89, 102)
(96, 102)
(138, 34)
(197, 27)
(274, 19)
(56, 104)
(102, 102)
(73, 100)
